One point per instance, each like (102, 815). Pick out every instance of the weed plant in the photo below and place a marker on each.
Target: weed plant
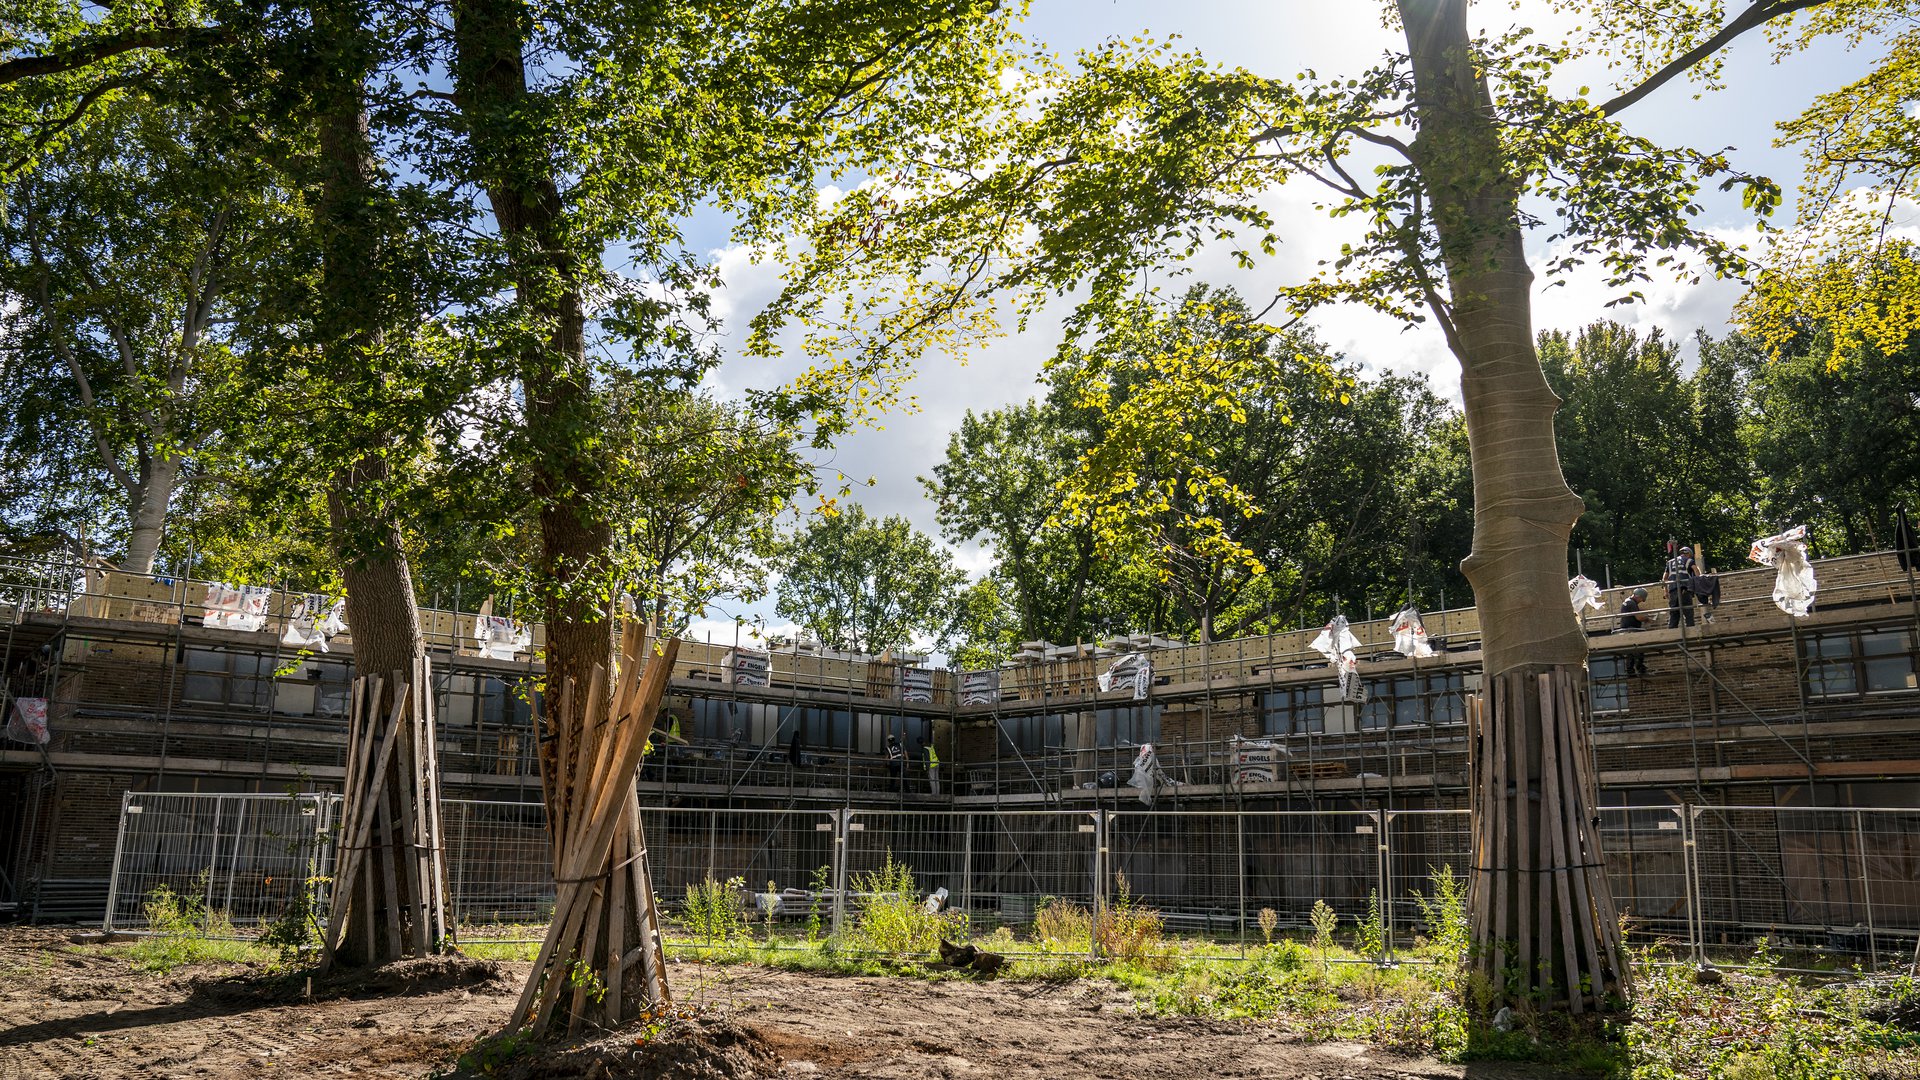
(892, 919)
(712, 911)
(181, 930)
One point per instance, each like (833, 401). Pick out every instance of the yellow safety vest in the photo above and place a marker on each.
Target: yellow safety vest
(933, 758)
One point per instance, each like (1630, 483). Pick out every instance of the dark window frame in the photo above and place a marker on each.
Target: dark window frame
(1857, 662)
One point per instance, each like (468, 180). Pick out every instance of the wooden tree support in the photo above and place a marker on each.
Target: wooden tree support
(389, 875)
(604, 918)
(1542, 916)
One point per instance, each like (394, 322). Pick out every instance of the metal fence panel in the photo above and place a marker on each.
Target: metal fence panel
(1843, 881)
(499, 862)
(244, 857)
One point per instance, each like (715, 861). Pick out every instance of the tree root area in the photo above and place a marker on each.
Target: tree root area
(68, 1010)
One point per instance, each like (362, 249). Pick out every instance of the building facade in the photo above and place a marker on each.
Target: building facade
(1747, 708)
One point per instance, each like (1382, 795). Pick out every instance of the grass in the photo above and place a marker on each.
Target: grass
(1754, 1024)
(184, 932)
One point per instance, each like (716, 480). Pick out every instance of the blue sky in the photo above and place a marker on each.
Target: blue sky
(1282, 38)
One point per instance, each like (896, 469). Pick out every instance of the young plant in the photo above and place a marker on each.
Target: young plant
(1269, 919)
(893, 920)
(1324, 921)
(712, 910)
(1061, 925)
(1126, 930)
(822, 881)
(1444, 910)
(1371, 935)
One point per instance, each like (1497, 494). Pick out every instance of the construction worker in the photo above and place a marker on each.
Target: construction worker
(1631, 622)
(1680, 571)
(933, 767)
(896, 761)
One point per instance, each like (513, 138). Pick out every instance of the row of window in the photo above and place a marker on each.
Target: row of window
(755, 724)
(1838, 664)
(313, 687)
(1128, 725)
(1395, 701)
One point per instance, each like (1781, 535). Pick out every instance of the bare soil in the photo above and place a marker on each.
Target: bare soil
(69, 1011)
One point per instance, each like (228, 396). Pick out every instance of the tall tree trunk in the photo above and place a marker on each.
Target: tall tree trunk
(1523, 515)
(382, 614)
(147, 511)
(561, 410)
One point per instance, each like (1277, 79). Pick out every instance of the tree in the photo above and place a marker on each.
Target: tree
(589, 130)
(697, 484)
(1842, 264)
(1652, 453)
(126, 248)
(999, 484)
(633, 119)
(1289, 475)
(867, 584)
(1832, 446)
(1144, 156)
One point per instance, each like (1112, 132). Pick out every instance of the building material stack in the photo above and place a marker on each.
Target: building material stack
(605, 922)
(390, 873)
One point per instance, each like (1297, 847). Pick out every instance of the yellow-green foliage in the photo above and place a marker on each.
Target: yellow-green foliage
(1126, 930)
(1060, 926)
(183, 931)
(1324, 921)
(893, 920)
(712, 910)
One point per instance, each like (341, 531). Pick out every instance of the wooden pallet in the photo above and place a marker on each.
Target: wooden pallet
(1318, 770)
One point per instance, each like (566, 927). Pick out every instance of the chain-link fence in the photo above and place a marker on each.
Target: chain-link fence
(1843, 882)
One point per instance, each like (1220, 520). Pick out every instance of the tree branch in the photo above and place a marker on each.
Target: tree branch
(50, 132)
(92, 52)
(74, 367)
(1759, 13)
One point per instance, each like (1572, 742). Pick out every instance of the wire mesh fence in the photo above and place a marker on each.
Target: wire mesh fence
(242, 859)
(1843, 883)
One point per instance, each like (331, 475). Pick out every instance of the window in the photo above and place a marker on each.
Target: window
(1298, 710)
(1447, 698)
(1127, 726)
(822, 729)
(1413, 701)
(1607, 675)
(1033, 734)
(485, 701)
(875, 727)
(237, 679)
(1845, 663)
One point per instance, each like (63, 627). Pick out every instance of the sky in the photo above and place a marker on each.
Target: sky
(1284, 37)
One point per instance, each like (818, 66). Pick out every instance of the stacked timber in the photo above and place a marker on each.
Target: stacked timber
(605, 921)
(1541, 911)
(390, 866)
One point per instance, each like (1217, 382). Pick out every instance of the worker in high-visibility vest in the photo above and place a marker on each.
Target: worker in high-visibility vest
(933, 767)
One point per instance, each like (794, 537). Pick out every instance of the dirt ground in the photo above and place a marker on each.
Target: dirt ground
(67, 1011)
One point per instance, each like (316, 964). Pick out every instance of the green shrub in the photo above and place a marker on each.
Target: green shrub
(1127, 931)
(1287, 955)
(712, 910)
(182, 931)
(294, 934)
(1370, 937)
(893, 920)
(1062, 926)
(822, 881)
(1444, 910)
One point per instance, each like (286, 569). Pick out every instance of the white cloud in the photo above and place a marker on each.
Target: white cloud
(748, 635)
